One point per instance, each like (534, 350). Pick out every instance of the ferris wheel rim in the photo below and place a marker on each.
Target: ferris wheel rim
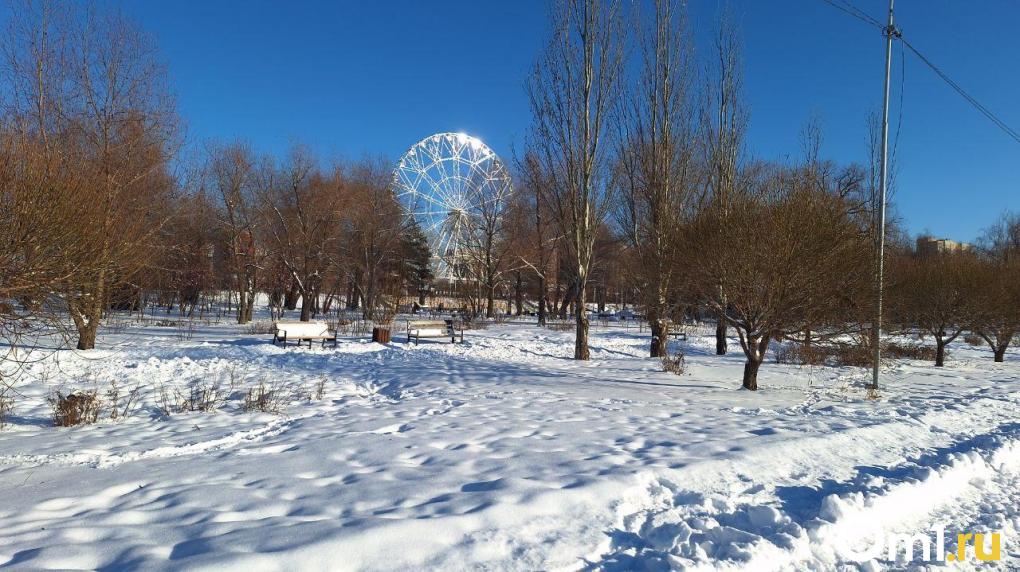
(442, 181)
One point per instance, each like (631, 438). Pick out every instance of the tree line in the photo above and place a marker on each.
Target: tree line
(635, 186)
(638, 137)
(100, 206)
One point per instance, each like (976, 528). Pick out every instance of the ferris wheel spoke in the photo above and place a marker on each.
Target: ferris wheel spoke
(450, 193)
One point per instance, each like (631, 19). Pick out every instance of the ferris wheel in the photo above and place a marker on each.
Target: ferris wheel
(450, 183)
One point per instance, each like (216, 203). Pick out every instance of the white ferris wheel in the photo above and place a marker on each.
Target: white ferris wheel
(449, 182)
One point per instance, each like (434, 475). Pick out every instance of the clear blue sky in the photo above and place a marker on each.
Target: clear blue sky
(372, 77)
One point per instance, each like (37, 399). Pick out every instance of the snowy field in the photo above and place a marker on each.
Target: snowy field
(501, 453)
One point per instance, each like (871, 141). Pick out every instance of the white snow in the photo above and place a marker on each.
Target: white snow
(502, 453)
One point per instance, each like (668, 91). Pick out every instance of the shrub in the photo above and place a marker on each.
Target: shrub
(674, 363)
(75, 408)
(853, 354)
(910, 351)
(264, 398)
(973, 340)
(6, 403)
(800, 354)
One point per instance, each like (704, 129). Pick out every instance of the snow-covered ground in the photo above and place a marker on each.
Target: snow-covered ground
(502, 453)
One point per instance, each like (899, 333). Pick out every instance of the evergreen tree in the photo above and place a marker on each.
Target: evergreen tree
(417, 260)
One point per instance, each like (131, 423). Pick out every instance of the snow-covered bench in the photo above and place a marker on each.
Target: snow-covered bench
(418, 329)
(303, 331)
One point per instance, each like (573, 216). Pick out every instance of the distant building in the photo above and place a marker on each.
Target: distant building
(929, 245)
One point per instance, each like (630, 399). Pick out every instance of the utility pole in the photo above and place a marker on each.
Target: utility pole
(876, 335)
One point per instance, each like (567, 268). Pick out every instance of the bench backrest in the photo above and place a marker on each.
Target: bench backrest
(295, 330)
(426, 325)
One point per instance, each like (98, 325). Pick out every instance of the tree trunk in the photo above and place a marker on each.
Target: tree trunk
(87, 323)
(581, 351)
(242, 306)
(519, 295)
(87, 336)
(660, 340)
(307, 301)
(940, 352)
(720, 334)
(490, 301)
(554, 307)
(316, 302)
(751, 373)
(541, 302)
(1000, 354)
(568, 299)
(290, 300)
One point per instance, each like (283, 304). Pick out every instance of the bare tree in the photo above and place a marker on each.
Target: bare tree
(997, 303)
(109, 103)
(934, 294)
(1001, 240)
(574, 88)
(373, 244)
(996, 317)
(789, 254)
(305, 206)
(657, 162)
(538, 236)
(724, 123)
(487, 243)
(231, 174)
(39, 246)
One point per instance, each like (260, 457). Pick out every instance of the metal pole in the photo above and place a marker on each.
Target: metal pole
(876, 337)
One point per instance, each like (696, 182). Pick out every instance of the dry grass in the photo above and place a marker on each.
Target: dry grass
(121, 404)
(319, 391)
(203, 397)
(264, 397)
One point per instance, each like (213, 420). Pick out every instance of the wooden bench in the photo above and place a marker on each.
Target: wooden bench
(303, 331)
(418, 329)
(675, 329)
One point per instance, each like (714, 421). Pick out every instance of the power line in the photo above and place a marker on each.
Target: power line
(899, 108)
(970, 99)
(846, 7)
(852, 10)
